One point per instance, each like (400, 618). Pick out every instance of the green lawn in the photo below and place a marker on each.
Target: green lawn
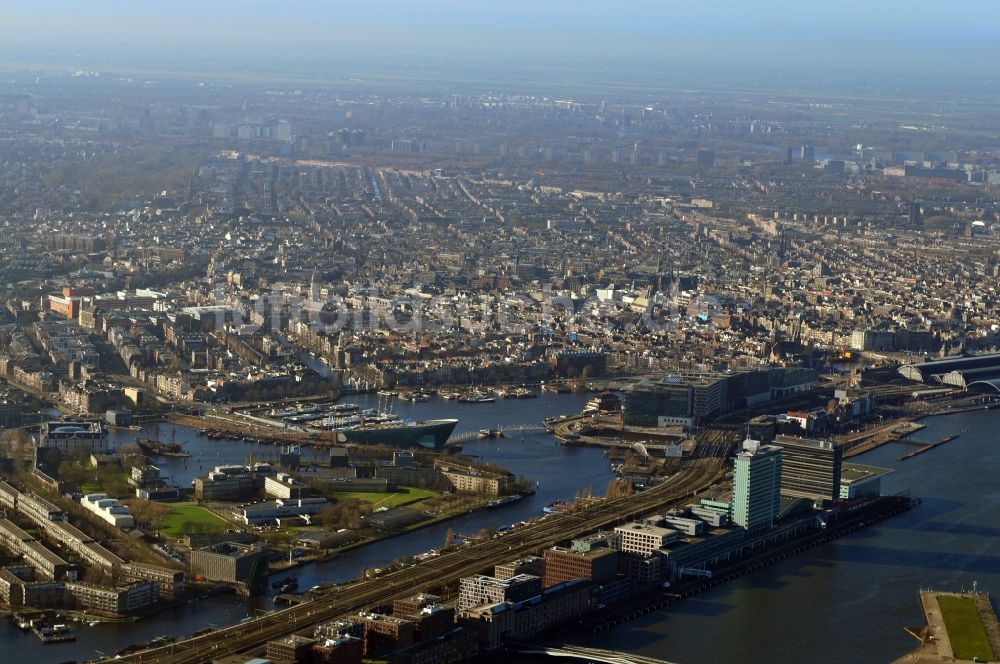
(965, 629)
(178, 522)
(402, 496)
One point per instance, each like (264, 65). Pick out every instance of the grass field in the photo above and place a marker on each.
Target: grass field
(403, 496)
(965, 629)
(181, 517)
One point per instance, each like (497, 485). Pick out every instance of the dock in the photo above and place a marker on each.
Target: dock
(865, 441)
(927, 447)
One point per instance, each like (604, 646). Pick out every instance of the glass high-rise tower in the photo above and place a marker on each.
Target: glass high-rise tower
(756, 485)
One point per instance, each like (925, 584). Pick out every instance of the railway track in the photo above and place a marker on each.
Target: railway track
(435, 572)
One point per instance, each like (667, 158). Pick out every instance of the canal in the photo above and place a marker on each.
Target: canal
(560, 472)
(845, 601)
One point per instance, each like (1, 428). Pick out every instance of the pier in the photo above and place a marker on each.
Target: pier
(927, 447)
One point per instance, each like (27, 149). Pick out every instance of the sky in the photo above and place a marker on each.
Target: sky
(892, 36)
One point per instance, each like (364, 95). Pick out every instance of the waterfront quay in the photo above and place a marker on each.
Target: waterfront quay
(961, 627)
(437, 572)
(765, 551)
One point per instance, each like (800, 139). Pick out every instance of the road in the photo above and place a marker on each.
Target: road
(435, 572)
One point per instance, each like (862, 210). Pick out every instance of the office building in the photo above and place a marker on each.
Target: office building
(382, 633)
(533, 565)
(598, 565)
(859, 481)
(232, 482)
(431, 620)
(502, 621)
(241, 564)
(756, 485)
(291, 648)
(271, 511)
(643, 538)
(810, 468)
(481, 589)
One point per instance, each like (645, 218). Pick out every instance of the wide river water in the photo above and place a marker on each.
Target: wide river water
(847, 601)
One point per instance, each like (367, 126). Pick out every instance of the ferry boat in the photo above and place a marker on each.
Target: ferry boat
(476, 396)
(54, 633)
(557, 507)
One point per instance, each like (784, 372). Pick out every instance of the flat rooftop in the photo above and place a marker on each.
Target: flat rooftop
(645, 529)
(812, 443)
(856, 472)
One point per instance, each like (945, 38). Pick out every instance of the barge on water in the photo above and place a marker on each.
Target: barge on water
(53, 633)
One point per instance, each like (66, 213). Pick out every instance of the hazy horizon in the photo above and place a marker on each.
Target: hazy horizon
(849, 41)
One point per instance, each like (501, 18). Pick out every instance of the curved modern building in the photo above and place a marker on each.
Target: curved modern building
(975, 372)
(431, 434)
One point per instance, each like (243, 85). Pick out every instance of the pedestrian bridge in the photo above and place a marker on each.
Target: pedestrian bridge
(581, 653)
(503, 431)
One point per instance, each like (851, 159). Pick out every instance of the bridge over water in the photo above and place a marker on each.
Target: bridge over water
(499, 432)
